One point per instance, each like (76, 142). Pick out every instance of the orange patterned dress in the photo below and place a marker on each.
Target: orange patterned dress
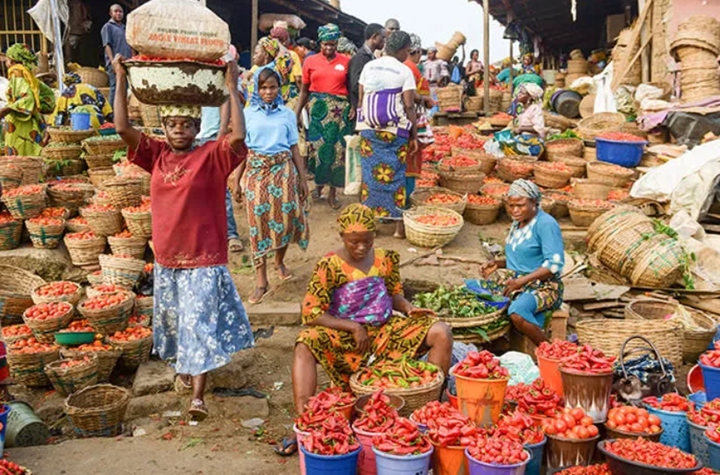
(390, 339)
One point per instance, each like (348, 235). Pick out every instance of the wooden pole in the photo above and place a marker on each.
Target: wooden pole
(512, 69)
(486, 45)
(254, 33)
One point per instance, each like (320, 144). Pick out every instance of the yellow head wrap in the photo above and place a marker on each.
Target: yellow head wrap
(357, 218)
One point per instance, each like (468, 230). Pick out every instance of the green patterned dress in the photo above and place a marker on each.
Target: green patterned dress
(329, 124)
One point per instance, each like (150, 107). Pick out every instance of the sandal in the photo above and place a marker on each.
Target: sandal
(284, 277)
(181, 385)
(289, 447)
(265, 292)
(198, 411)
(236, 245)
(335, 204)
(316, 195)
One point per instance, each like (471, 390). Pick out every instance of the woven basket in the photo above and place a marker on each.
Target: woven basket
(85, 252)
(608, 336)
(470, 170)
(132, 246)
(564, 147)
(613, 175)
(449, 98)
(620, 249)
(74, 227)
(93, 291)
(482, 215)
(418, 198)
(495, 100)
(695, 342)
(44, 330)
(99, 161)
(474, 103)
(109, 320)
(577, 66)
(93, 76)
(124, 192)
(414, 398)
(99, 176)
(134, 353)
(16, 285)
(26, 206)
(11, 235)
(104, 146)
(578, 165)
(69, 135)
(612, 220)
(103, 223)
(72, 199)
(67, 152)
(649, 309)
(107, 360)
(547, 205)
(119, 271)
(461, 182)
(479, 340)
(590, 190)
(29, 369)
(425, 235)
(10, 176)
(493, 190)
(98, 411)
(471, 322)
(505, 173)
(32, 168)
(487, 162)
(139, 223)
(560, 210)
(659, 266)
(45, 236)
(144, 307)
(598, 124)
(69, 380)
(583, 215)
(549, 178)
(73, 298)
(9, 340)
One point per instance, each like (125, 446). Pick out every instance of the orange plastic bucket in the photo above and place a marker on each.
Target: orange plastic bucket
(481, 399)
(347, 411)
(550, 373)
(449, 460)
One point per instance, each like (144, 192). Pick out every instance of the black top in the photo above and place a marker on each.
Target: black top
(357, 63)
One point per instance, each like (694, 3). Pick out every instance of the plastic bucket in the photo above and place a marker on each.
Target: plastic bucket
(567, 103)
(550, 373)
(347, 411)
(80, 120)
(481, 399)
(536, 454)
(694, 379)
(402, 464)
(301, 455)
(713, 454)
(24, 428)
(711, 377)
(482, 468)
(3, 420)
(449, 460)
(366, 464)
(452, 399)
(331, 464)
(564, 453)
(625, 154)
(421, 427)
(591, 392)
(675, 425)
(698, 442)
(395, 401)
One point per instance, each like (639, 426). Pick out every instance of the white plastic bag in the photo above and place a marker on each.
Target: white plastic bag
(353, 167)
(521, 366)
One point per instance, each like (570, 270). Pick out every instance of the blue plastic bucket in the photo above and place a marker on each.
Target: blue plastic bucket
(711, 376)
(3, 420)
(421, 427)
(330, 464)
(536, 454)
(625, 154)
(698, 442)
(80, 120)
(402, 464)
(699, 399)
(713, 454)
(476, 467)
(676, 432)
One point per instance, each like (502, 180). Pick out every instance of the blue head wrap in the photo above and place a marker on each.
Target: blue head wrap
(256, 100)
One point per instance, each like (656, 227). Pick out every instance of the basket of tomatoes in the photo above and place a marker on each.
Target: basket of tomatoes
(104, 220)
(121, 269)
(70, 195)
(14, 333)
(10, 231)
(139, 220)
(584, 212)
(25, 202)
(104, 289)
(462, 182)
(95, 278)
(510, 169)
(72, 374)
(107, 355)
(487, 162)
(572, 436)
(136, 344)
(430, 226)
(27, 360)
(109, 313)
(126, 243)
(459, 163)
(124, 191)
(45, 233)
(440, 198)
(85, 248)
(61, 291)
(46, 319)
(77, 224)
(552, 174)
(630, 422)
(482, 210)
(10, 176)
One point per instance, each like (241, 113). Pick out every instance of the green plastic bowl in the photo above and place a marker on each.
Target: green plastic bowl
(74, 338)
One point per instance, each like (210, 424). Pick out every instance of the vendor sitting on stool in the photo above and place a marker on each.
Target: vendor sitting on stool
(534, 259)
(528, 127)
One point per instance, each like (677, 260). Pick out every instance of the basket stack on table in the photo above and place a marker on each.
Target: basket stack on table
(62, 154)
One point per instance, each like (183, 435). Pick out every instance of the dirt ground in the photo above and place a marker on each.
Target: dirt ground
(221, 445)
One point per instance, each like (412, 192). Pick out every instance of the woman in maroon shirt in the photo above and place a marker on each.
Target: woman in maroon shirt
(199, 320)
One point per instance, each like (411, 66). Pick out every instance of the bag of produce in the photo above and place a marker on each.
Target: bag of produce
(177, 29)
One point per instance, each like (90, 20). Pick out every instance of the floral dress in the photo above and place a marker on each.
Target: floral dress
(24, 125)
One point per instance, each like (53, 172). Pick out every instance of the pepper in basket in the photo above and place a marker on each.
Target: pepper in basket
(199, 320)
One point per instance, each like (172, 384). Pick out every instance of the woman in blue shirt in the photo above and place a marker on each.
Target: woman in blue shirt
(273, 180)
(534, 259)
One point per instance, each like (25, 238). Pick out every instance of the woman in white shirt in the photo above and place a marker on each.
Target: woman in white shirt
(529, 124)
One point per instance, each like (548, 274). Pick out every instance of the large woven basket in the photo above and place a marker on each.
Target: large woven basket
(661, 265)
(69, 380)
(144, 307)
(414, 398)
(98, 176)
(418, 198)
(85, 252)
(474, 103)
(10, 340)
(45, 236)
(26, 206)
(482, 215)
(62, 152)
(16, 285)
(590, 190)
(608, 336)
(577, 165)
(695, 342)
(495, 190)
(28, 369)
(63, 168)
(121, 271)
(548, 177)
(103, 146)
(450, 98)
(44, 330)
(112, 319)
(509, 169)
(73, 298)
(613, 221)
(71, 197)
(132, 246)
(598, 124)
(139, 223)
(462, 182)
(564, 147)
(10, 176)
(74, 226)
(613, 175)
(103, 223)
(98, 411)
(93, 76)
(583, 215)
(32, 168)
(425, 235)
(650, 309)
(471, 322)
(621, 248)
(124, 192)
(69, 135)
(11, 234)
(107, 360)
(134, 353)
(442, 166)
(487, 162)
(99, 161)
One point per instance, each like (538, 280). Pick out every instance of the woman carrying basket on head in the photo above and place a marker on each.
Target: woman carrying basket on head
(199, 320)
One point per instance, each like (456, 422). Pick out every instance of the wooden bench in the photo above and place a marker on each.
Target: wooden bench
(556, 330)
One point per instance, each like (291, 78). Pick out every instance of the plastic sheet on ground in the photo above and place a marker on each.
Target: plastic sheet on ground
(689, 128)
(521, 366)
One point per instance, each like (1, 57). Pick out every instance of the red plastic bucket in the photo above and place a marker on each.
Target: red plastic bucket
(453, 399)
(366, 460)
(550, 372)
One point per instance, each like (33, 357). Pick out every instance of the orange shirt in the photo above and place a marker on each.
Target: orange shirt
(328, 77)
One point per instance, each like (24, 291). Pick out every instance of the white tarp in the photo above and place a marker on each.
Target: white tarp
(42, 14)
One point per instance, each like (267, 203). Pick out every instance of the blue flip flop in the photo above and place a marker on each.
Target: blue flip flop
(287, 444)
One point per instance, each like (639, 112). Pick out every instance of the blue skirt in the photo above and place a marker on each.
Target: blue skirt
(199, 321)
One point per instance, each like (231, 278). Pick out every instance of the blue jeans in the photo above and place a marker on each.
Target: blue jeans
(231, 224)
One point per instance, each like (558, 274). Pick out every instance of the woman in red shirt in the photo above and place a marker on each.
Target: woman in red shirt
(325, 89)
(199, 320)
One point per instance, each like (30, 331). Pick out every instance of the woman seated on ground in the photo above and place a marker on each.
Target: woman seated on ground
(534, 259)
(79, 97)
(528, 126)
(349, 309)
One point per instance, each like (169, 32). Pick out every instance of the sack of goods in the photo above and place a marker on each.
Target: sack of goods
(180, 43)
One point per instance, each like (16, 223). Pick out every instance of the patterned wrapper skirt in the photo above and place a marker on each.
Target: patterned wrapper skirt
(523, 144)
(335, 349)
(326, 133)
(383, 158)
(199, 321)
(535, 301)
(275, 215)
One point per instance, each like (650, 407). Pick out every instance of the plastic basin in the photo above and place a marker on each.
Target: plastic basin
(713, 453)
(699, 399)
(366, 464)
(452, 399)
(550, 373)
(625, 154)
(536, 453)
(711, 378)
(675, 428)
(80, 120)
(402, 464)
(331, 464)
(699, 443)
(476, 467)
(620, 466)
(695, 382)
(74, 338)
(421, 427)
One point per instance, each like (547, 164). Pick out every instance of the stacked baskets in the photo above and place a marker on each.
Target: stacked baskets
(583, 213)
(16, 286)
(450, 98)
(420, 197)
(482, 210)
(623, 53)
(62, 155)
(609, 174)
(31, 167)
(598, 124)
(467, 179)
(697, 46)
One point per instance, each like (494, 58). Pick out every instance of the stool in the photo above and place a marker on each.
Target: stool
(556, 330)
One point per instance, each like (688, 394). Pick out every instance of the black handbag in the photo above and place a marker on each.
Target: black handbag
(646, 377)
